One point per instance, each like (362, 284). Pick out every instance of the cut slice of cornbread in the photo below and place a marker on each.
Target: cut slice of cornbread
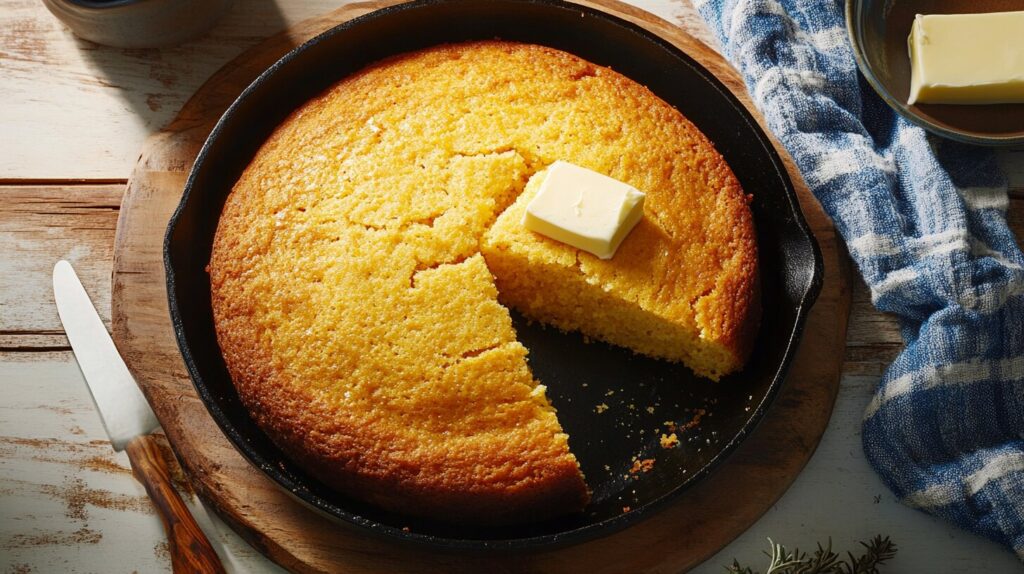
(674, 289)
(462, 430)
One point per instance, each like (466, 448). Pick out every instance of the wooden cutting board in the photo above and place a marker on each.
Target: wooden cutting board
(700, 522)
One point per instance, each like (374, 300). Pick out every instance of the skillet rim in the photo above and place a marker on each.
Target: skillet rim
(298, 490)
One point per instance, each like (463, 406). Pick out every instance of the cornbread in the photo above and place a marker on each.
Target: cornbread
(362, 326)
(682, 286)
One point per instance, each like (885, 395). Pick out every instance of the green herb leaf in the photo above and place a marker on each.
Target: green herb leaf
(877, 551)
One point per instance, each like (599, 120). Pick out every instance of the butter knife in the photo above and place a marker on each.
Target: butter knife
(128, 420)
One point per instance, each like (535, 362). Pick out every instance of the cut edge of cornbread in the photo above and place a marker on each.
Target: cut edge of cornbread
(546, 281)
(561, 297)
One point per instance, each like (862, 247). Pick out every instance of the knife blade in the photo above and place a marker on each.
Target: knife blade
(123, 408)
(128, 420)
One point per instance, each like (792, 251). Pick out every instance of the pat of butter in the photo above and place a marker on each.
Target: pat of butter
(967, 58)
(585, 209)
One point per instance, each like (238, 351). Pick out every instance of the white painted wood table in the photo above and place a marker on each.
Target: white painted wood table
(73, 116)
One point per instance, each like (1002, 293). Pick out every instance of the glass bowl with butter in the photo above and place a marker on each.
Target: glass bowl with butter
(953, 67)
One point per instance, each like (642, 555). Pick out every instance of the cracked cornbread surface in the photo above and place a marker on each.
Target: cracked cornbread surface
(359, 320)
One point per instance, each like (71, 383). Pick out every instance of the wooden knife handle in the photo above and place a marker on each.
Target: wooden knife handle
(190, 550)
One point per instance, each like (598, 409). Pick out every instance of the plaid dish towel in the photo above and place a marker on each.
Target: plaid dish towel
(925, 221)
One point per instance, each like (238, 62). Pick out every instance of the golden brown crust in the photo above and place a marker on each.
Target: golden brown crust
(358, 320)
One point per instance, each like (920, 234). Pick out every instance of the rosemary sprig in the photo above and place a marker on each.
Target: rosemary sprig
(877, 551)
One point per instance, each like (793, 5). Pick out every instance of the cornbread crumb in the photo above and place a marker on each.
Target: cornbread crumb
(645, 465)
(669, 441)
(601, 408)
(698, 416)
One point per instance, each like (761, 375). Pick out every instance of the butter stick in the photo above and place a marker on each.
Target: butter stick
(967, 58)
(584, 208)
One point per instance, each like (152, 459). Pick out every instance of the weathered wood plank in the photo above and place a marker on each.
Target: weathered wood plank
(63, 485)
(40, 225)
(1012, 162)
(69, 503)
(73, 109)
(122, 96)
(684, 15)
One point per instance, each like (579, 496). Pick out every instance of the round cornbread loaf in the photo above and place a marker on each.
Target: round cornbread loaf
(362, 326)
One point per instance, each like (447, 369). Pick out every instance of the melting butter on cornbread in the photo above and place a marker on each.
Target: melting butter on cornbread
(584, 209)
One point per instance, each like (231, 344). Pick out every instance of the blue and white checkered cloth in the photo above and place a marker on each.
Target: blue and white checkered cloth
(925, 221)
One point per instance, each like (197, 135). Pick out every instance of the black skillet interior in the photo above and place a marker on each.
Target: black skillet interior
(640, 394)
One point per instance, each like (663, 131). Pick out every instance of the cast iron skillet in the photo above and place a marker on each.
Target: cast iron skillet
(641, 394)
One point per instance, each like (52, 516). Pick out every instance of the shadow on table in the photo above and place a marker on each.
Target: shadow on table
(156, 82)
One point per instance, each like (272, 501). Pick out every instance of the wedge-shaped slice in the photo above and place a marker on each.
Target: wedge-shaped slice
(400, 384)
(683, 285)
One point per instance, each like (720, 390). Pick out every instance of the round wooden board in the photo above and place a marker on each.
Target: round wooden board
(699, 523)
